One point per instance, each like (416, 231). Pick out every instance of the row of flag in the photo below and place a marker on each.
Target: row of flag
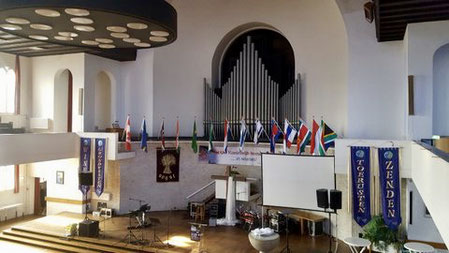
(320, 138)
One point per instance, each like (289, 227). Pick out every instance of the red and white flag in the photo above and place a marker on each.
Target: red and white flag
(177, 134)
(128, 134)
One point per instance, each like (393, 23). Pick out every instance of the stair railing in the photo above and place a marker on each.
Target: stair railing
(201, 189)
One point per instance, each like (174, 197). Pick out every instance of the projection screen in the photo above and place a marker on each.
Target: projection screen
(291, 180)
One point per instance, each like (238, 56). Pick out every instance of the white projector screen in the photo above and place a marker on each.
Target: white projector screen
(291, 181)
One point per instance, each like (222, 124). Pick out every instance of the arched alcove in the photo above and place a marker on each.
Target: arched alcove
(63, 97)
(440, 116)
(103, 102)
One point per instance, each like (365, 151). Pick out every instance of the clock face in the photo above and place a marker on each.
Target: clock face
(167, 166)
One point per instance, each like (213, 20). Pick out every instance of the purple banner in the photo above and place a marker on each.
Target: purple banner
(360, 165)
(85, 160)
(100, 145)
(390, 186)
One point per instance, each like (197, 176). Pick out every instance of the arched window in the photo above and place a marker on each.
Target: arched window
(7, 90)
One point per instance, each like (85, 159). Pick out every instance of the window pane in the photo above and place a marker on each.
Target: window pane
(6, 178)
(7, 90)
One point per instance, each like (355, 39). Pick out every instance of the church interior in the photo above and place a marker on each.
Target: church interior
(224, 126)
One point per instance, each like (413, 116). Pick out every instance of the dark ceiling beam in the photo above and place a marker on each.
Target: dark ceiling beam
(413, 15)
(415, 9)
(405, 21)
(385, 4)
(22, 44)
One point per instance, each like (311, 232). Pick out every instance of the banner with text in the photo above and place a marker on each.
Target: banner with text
(85, 144)
(390, 186)
(100, 148)
(360, 165)
(250, 156)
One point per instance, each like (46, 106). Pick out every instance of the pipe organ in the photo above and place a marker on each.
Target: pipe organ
(249, 93)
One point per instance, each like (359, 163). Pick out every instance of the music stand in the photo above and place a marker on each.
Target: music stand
(128, 239)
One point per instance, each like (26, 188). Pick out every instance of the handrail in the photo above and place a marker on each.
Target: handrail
(438, 152)
(200, 190)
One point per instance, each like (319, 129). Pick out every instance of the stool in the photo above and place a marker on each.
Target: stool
(354, 243)
(200, 212)
(416, 247)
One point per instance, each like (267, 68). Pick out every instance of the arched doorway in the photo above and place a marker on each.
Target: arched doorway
(441, 91)
(63, 100)
(102, 101)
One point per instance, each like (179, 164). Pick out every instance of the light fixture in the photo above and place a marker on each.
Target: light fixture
(158, 39)
(82, 21)
(63, 38)
(84, 28)
(120, 35)
(38, 37)
(41, 27)
(159, 33)
(48, 13)
(36, 48)
(10, 27)
(68, 34)
(17, 21)
(137, 26)
(104, 41)
(77, 12)
(142, 44)
(131, 40)
(116, 29)
(106, 46)
(90, 42)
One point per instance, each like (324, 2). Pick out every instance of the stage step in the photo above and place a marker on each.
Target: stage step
(46, 245)
(72, 243)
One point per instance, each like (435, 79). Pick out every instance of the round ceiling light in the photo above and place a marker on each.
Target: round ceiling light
(48, 13)
(120, 35)
(17, 21)
(77, 12)
(68, 34)
(159, 33)
(106, 46)
(84, 28)
(90, 42)
(131, 40)
(63, 38)
(38, 37)
(41, 27)
(11, 27)
(158, 39)
(82, 21)
(137, 26)
(116, 29)
(36, 48)
(142, 44)
(103, 40)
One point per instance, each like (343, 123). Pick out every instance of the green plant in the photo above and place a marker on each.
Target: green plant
(380, 235)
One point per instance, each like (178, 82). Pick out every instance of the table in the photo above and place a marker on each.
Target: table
(308, 216)
(354, 243)
(419, 247)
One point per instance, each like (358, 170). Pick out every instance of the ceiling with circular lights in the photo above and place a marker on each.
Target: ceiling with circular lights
(99, 24)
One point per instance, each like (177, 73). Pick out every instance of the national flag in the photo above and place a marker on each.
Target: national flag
(177, 134)
(243, 133)
(303, 139)
(227, 133)
(275, 133)
(258, 131)
(211, 137)
(289, 136)
(329, 137)
(128, 134)
(162, 135)
(315, 128)
(144, 134)
(321, 150)
(317, 145)
(194, 138)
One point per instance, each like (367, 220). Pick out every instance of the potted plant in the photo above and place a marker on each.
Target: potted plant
(383, 239)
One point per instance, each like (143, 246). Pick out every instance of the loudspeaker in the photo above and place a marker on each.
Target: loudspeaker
(88, 228)
(335, 199)
(86, 178)
(322, 198)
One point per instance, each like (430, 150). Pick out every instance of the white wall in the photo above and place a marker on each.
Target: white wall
(315, 30)
(441, 91)
(102, 101)
(61, 89)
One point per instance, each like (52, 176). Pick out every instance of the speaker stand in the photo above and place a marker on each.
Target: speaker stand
(330, 233)
(287, 247)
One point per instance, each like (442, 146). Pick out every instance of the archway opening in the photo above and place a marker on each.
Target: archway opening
(441, 91)
(63, 100)
(102, 101)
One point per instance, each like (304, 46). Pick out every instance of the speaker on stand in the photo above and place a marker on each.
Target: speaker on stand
(335, 204)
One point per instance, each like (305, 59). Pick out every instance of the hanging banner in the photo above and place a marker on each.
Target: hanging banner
(100, 147)
(85, 160)
(390, 186)
(250, 156)
(167, 169)
(360, 165)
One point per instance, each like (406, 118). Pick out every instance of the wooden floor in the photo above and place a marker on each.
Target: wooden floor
(216, 239)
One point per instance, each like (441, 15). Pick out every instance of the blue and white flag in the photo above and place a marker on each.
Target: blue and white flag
(243, 133)
(360, 168)
(227, 134)
(85, 160)
(100, 148)
(258, 131)
(390, 186)
(275, 133)
(289, 136)
(144, 139)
